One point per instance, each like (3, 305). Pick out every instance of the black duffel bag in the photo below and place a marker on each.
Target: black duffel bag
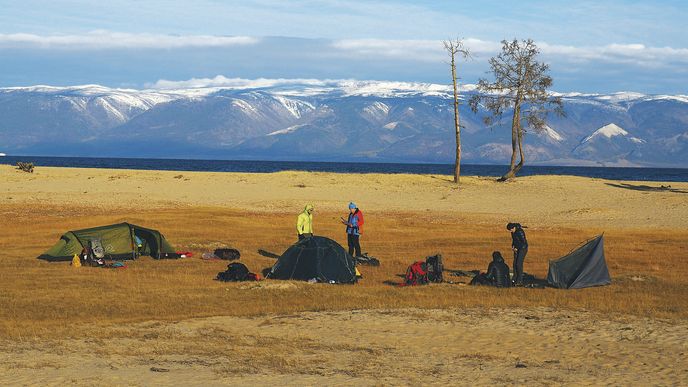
(227, 254)
(235, 272)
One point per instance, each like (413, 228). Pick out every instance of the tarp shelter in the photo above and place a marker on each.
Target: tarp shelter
(582, 268)
(317, 258)
(118, 240)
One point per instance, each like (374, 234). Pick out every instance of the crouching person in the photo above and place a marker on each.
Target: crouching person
(497, 273)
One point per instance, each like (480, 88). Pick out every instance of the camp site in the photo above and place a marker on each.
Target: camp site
(182, 319)
(343, 193)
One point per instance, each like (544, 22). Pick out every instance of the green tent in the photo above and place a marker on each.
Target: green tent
(119, 241)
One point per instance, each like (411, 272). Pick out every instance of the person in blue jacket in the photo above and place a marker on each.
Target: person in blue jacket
(354, 229)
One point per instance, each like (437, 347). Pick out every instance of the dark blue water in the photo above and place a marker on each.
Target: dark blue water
(647, 174)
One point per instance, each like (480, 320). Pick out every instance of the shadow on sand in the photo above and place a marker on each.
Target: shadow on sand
(647, 188)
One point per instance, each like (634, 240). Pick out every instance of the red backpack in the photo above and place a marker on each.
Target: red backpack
(360, 222)
(416, 274)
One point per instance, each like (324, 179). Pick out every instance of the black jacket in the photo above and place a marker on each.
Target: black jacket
(518, 239)
(498, 273)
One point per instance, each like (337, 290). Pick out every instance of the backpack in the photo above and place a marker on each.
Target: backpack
(227, 254)
(360, 222)
(236, 271)
(416, 274)
(435, 268)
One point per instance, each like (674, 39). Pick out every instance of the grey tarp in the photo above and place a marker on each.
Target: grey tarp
(582, 268)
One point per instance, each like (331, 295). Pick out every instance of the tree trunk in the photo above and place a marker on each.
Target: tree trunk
(515, 129)
(520, 151)
(457, 165)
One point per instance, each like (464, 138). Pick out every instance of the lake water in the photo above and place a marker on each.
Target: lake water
(613, 173)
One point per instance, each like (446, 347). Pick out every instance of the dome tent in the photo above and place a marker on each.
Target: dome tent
(317, 258)
(119, 241)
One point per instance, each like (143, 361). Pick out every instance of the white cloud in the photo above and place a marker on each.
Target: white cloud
(422, 50)
(632, 54)
(108, 40)
(432, 50)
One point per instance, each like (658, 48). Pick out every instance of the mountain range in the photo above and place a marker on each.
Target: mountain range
(333, 121)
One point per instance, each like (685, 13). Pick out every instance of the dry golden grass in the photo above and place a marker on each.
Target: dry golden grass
(40, 299)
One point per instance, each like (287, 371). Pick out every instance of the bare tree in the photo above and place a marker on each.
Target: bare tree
(520, 83)
(455, 47)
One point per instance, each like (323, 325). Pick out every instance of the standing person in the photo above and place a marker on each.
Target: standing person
(304, 223)
(354, 228)
(520, 246)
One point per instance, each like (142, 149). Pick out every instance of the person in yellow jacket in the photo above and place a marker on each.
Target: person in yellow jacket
(304, 223)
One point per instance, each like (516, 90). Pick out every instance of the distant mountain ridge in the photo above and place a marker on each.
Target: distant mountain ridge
(332, 120)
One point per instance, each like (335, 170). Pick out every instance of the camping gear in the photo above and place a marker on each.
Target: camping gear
(116, 240)
(227, 254)
(435, 268)
(581, 268)
(465, 273)
(76, 261)
(366, 259)
(316, 257)
(114, 265)
(235, 272)
(416, 274)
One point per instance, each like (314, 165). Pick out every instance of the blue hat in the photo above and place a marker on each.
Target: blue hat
(352, 205)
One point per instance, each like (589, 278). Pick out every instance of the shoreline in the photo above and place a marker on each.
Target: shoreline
(671, 173)
(408, 174)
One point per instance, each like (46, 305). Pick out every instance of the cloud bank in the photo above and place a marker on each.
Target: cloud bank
(432, 50)
(134, 60)
(101, 40)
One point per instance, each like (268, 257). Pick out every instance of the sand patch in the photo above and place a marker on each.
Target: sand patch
(409, 346)
(540, 201)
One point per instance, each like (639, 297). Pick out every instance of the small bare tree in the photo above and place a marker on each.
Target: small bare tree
(521, 84)
(455, 47)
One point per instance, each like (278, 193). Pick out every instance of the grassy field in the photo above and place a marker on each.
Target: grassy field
(40, 299)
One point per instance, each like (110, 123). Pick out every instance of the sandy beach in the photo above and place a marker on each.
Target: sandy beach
(539, 201)
(168, 322)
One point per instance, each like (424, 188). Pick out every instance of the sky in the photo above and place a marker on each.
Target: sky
(591, 46)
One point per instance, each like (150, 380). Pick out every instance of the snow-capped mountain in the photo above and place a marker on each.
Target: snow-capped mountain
(332, 120)
(612, 130)
(609, 143)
